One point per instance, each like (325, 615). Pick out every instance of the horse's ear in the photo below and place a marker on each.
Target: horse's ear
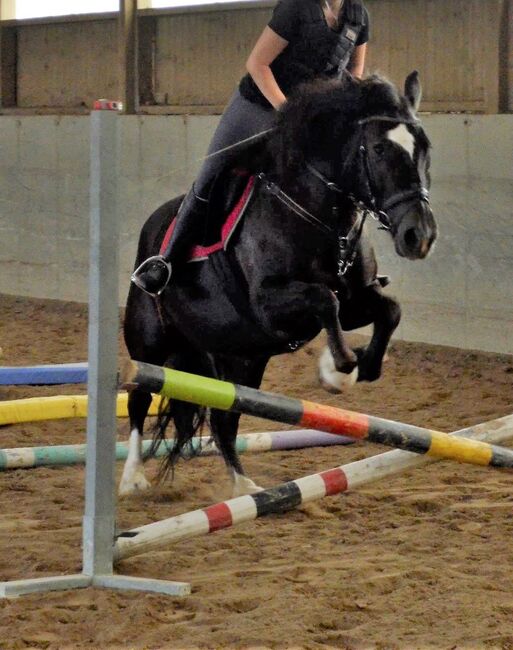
(413, 90)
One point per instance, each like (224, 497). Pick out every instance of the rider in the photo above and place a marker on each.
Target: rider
(305, 39)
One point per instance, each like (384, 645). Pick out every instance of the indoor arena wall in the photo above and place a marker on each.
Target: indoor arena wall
(460, 296)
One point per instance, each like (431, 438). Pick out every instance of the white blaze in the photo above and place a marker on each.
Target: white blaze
(401, 136)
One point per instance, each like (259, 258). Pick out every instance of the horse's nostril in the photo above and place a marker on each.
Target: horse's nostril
(410, 238)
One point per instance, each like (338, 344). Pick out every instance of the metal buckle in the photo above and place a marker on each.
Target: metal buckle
(382, 218)
(269, 186)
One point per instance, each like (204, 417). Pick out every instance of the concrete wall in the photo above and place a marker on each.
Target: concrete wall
(461, 296)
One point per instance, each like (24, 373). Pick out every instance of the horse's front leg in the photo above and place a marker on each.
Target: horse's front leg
(282, 307)
(344, 358)
(367, 307)
(385, 316)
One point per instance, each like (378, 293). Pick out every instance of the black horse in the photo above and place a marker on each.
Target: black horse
(298, 262)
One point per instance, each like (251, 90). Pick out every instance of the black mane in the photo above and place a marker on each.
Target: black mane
(321, 114)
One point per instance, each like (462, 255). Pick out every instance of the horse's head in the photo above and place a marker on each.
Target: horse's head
(394, 181)
(367, 138)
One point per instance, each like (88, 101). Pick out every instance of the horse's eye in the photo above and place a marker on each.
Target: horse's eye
(379, 149)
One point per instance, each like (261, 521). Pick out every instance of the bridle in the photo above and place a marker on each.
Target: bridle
(365, 203)
(416, 192)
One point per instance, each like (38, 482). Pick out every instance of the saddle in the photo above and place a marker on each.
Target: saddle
(229, 196)
(228, 203)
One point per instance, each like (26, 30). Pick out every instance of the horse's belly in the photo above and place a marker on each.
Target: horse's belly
(208, 318)
(210, 321)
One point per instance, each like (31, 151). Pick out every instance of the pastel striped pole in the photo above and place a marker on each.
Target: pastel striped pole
(289, 495)
(28, 457)
(227, 396)
(36, 409)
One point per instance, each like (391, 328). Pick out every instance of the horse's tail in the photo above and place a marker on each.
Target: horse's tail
(188, 419)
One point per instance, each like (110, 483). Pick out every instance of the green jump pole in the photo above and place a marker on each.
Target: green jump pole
(232, 397)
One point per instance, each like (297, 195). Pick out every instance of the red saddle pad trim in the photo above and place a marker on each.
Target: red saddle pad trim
(201, 252)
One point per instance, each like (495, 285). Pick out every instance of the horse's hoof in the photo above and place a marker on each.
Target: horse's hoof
(330, 378)
(242, 486)
(133, 483)
(336, 382)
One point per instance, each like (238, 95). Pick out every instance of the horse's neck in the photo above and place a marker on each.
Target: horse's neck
(333, 208)
(329, 196)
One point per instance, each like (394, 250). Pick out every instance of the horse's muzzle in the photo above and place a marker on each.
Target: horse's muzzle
(416, 233)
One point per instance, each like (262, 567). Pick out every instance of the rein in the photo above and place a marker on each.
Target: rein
(347, 243)
(274, 190)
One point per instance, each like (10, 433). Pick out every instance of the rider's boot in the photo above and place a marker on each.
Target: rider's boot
(153, 275)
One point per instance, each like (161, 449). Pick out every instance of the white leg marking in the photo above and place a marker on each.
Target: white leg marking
(329, 377)
(133, 479)
(243, 485)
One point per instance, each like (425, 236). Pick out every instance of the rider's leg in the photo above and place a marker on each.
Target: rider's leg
(240, 120)
(154, 273)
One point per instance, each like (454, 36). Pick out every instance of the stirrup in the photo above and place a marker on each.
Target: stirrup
(143, 279)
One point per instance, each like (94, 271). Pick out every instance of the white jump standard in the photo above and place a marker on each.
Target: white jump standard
(99, 516)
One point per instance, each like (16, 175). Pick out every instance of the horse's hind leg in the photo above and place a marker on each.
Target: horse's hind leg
(133, 478)
(225, 425)
(224, 431)
(146, 341)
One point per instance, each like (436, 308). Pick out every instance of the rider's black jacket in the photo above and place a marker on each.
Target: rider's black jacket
(314, 49)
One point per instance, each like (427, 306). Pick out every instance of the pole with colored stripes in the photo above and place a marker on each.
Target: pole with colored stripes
(288, 495)
(27, 457)
(227, 396)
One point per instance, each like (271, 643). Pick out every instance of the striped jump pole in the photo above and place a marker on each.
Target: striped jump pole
(227, 396)
(28, 457)
(289, 495)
